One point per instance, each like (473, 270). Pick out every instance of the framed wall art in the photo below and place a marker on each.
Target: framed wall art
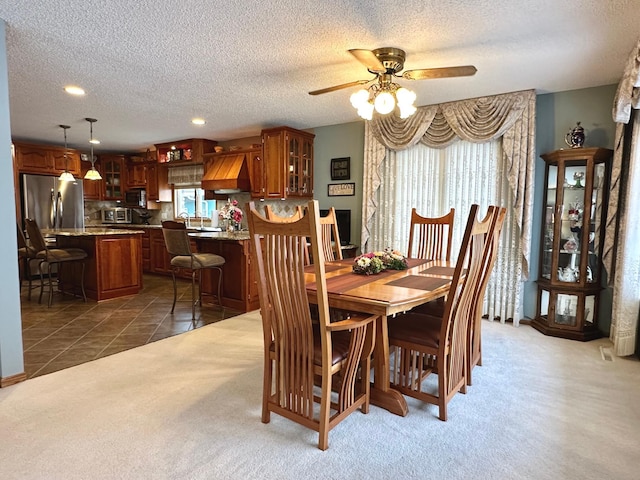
(341, 189)
(340, 168)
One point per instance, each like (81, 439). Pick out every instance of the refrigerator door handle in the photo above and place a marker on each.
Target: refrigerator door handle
(52, 210)
(59, 211)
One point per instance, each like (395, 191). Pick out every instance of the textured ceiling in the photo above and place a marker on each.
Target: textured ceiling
(149, 66)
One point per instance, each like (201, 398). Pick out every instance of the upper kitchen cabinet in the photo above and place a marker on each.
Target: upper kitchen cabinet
(113, 176)
(287, 163)
(45, 159)
(158, 188)
(92, 188)
(184, 151)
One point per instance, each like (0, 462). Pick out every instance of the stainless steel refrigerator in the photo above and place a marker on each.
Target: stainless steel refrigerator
(51, 203)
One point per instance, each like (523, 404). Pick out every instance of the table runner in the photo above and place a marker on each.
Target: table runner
(419, 282)
(343, 283)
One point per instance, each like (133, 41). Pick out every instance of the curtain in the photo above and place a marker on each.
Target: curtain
(508, 117)
(621, 252)
(433, 181)
(186, 176)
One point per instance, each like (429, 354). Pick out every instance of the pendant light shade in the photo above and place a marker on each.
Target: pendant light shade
(66, 176)
(92, 174)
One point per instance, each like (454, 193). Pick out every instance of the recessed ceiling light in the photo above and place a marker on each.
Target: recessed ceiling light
(198, 121)
(73, 90)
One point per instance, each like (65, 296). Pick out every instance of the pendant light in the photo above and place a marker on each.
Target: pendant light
(92, 174)
(66, 176)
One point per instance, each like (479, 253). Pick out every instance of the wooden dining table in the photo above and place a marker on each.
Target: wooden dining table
(384, 294)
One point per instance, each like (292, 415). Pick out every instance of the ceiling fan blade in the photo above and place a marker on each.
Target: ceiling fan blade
(368, 59)
(427, 73)
(339, 87)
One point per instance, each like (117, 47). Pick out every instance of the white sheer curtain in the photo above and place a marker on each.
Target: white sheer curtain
(434, 180)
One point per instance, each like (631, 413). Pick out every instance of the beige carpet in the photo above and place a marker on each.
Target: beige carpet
(188, 407)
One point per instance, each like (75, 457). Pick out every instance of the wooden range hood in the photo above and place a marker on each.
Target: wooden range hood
(227, 173)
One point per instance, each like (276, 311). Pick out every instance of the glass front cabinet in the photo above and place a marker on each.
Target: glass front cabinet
(574, 213)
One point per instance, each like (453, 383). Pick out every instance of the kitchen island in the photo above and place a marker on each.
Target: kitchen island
(113, 267)
(239, 287)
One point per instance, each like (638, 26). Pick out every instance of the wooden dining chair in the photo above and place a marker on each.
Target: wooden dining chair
(424, 344)
(178, 245)
(298, 354)
(474, 343)
(330, 237)
(430, 237)
(297, 215)
(50, 257)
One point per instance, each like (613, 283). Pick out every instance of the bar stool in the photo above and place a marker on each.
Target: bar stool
(178, 245)
(26, 253)
(53, 256)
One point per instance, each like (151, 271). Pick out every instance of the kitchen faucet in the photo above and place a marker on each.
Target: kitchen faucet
(185, 215)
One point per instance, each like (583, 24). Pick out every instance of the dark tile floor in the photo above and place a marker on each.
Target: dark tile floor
(72, 332)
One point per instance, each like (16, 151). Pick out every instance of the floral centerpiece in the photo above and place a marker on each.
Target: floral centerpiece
(231, 213)
(375, 262)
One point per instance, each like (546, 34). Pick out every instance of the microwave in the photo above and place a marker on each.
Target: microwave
(136, 198)
(116, 215)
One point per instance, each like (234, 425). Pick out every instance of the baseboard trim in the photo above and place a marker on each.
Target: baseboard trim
(12, 380)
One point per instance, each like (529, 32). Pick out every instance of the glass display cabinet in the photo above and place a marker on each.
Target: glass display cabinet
(569, 283)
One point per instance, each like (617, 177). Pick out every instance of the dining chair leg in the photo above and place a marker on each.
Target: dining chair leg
(51, 285)
(84, 295)
(193, 295)
(175, 289)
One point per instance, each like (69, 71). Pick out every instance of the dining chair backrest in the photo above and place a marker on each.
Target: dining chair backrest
(463, 296)
(297, 215)
(296, 352)
(330, 237)
(431, 237)
(271, 215)
(474, 354)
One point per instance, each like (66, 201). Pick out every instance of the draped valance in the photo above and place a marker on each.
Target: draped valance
(509, 116)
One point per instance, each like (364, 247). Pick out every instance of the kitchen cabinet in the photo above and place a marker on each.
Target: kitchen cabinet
(239, 285)
(92, 188)
(256, 173)
(136, 175)
(158, 188)
(113, 176)
(287, 163)
(569, 286)
(184, 151)
(46, 159)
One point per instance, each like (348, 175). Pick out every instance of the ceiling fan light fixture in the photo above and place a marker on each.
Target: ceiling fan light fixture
(405, 97)
(384, 103)
(359, 98)
(366, 110)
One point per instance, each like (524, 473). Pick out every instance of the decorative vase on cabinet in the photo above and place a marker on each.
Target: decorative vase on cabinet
(569, 284)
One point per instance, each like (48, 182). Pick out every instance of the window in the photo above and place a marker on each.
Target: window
(191, 200)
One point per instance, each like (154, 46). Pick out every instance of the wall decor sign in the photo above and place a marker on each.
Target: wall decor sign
(340, 168)
(342, 189)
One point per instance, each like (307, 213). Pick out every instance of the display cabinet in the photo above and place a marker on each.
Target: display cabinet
(570, 275)
(113, 172)
(287, 163)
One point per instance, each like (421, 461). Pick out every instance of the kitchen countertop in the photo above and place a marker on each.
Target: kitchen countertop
(90, 232)
(242, 235)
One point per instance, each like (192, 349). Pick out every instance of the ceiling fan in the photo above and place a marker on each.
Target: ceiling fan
(386, 63)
